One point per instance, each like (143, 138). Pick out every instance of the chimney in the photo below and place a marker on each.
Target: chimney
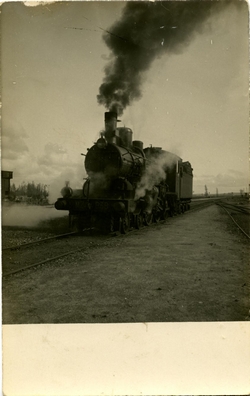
(110, 125)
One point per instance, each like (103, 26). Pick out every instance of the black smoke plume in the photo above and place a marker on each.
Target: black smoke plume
(146, 31)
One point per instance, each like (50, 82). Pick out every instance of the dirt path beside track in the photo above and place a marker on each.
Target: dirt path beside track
(194, 267)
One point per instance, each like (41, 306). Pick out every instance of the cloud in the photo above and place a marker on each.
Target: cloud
(13, 143)
(13, 132)
(56, 162)
(53, 167)
(236, 173)
(73, 173)
(54, 154)
(233, 180)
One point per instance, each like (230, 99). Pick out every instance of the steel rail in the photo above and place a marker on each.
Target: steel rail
(239, 208)
(239, 227)
(41, 262)
(40, 240)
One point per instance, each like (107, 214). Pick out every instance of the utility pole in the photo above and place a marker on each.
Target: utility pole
(206, 193)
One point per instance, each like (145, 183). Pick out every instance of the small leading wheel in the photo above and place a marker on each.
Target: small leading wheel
(171, 211)
(138, 221)
(112, 224)
(147, 218)
(125, 224)
(109, 224)
(164, 214)
(178, 208)
(157, 216)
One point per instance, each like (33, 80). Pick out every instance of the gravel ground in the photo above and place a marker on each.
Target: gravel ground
(194, 267)
(13, 235)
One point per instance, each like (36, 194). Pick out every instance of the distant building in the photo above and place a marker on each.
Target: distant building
(5, 183)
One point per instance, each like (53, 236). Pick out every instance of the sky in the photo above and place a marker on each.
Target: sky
(194, 98)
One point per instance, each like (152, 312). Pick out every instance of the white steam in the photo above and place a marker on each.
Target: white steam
(28, 215)
(155, 173)
(74, 176)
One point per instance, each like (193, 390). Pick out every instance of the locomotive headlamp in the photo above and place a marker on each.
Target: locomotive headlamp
(66, 191)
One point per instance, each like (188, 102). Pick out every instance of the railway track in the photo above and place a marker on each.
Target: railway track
(14, 257)
(200, 204)
(22, 257)
(22, 245)
(237, 207)
(239, 214)
(37, 264)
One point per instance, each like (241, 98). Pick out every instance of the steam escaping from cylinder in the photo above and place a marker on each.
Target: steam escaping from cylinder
(155, 173)
(23, 215)
(146, 31)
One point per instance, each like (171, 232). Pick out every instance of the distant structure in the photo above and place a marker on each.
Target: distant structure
(206, 192)
(5, 183)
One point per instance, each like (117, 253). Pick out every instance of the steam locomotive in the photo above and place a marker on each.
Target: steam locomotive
(127, 186)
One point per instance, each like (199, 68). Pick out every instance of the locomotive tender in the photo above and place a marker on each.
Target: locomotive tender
(127, 186)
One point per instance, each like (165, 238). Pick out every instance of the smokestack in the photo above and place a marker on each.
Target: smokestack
(110, 120)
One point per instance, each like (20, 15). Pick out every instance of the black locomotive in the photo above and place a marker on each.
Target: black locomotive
(127, 186)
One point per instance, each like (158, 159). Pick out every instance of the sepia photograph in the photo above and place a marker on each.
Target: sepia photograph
(125, 185)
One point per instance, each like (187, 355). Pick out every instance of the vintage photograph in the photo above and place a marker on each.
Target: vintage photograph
(125, 162)
(125, 179)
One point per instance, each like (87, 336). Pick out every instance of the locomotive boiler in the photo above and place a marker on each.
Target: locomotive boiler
(127, 185)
